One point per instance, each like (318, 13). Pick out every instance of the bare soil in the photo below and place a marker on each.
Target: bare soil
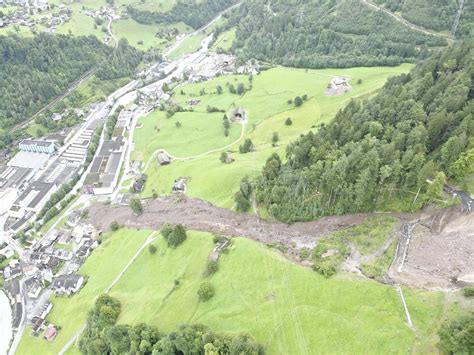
(440, 250)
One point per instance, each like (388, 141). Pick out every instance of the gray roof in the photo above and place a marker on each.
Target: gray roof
(29, 160)
(113, 163)
(12, 176)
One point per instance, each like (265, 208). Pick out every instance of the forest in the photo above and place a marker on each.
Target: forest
(35, 70)
(193, 13)
(421, 125)
(103, 336)
(437, 15)
(325, 34)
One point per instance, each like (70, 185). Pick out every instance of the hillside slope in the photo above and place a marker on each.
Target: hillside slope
(418, 125)
(327, 33)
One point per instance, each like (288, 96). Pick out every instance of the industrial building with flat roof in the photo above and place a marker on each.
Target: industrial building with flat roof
(37, 146)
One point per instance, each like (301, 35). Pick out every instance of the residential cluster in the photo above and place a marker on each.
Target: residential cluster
(50, 266)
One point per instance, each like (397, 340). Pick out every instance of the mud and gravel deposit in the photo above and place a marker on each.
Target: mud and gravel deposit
(441, 247)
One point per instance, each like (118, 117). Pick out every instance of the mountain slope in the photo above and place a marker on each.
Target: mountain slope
(417, 125)
(325, 33)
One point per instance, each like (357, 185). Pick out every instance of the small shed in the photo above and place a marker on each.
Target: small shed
(179, 185)
(238, 115)
(50, 333)
(163, 158)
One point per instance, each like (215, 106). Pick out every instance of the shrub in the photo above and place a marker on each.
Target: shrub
(152, 249)
(456, 335)
(212, 267)
(114, 226)
(288, 121)
(468, 292)
(206, 291)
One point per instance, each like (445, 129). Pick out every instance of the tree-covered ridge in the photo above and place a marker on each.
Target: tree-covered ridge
(438, 15)
(325, 33)
(191, 12)
(418, 125)
(35, 70)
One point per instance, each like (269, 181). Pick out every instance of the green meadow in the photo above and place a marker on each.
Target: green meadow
(266, 104)
(287, 308)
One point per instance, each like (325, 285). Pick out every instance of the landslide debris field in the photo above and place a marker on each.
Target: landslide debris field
(434, 248)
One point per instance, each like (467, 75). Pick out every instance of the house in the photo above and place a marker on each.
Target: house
(238, 115)
(56, 117)
(163, 158)
(139, 183)
(68, 284)
(37, 325)
(179, 185)
(50, 333)
(33, 287)
(193, 102)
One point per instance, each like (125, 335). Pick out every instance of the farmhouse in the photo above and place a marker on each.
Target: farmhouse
(238, 115)
(163, 158)
(179, 185)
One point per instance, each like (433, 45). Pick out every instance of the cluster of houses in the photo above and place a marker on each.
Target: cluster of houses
(26, 14)
(52, 263)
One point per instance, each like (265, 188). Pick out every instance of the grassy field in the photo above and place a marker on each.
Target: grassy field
(267, 109)
(225, 40)
(189, 45)
(102, 267)
(135, 32)
(287, 308)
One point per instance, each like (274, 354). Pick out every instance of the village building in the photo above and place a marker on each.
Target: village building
(238, 115)
(51, 333)
(179, 185)
(163, 158)
(68, 284)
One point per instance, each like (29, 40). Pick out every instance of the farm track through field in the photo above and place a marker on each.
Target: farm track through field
(192, 157)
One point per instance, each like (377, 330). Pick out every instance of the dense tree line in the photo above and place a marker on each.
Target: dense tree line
(103, 336)
(300, 33)
(193, 13)
(35, 70)
(457, 335)
(420, 124)
(438, 15)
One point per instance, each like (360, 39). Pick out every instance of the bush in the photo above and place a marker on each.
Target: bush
(246, 147)
(456, 335)
(212, 267)
(136, 206)
(298, 101)
(166, 230)
(176, 237)
(114, 226)
(288, 121)
(468, 292)
(206, 291)
(152, 249)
